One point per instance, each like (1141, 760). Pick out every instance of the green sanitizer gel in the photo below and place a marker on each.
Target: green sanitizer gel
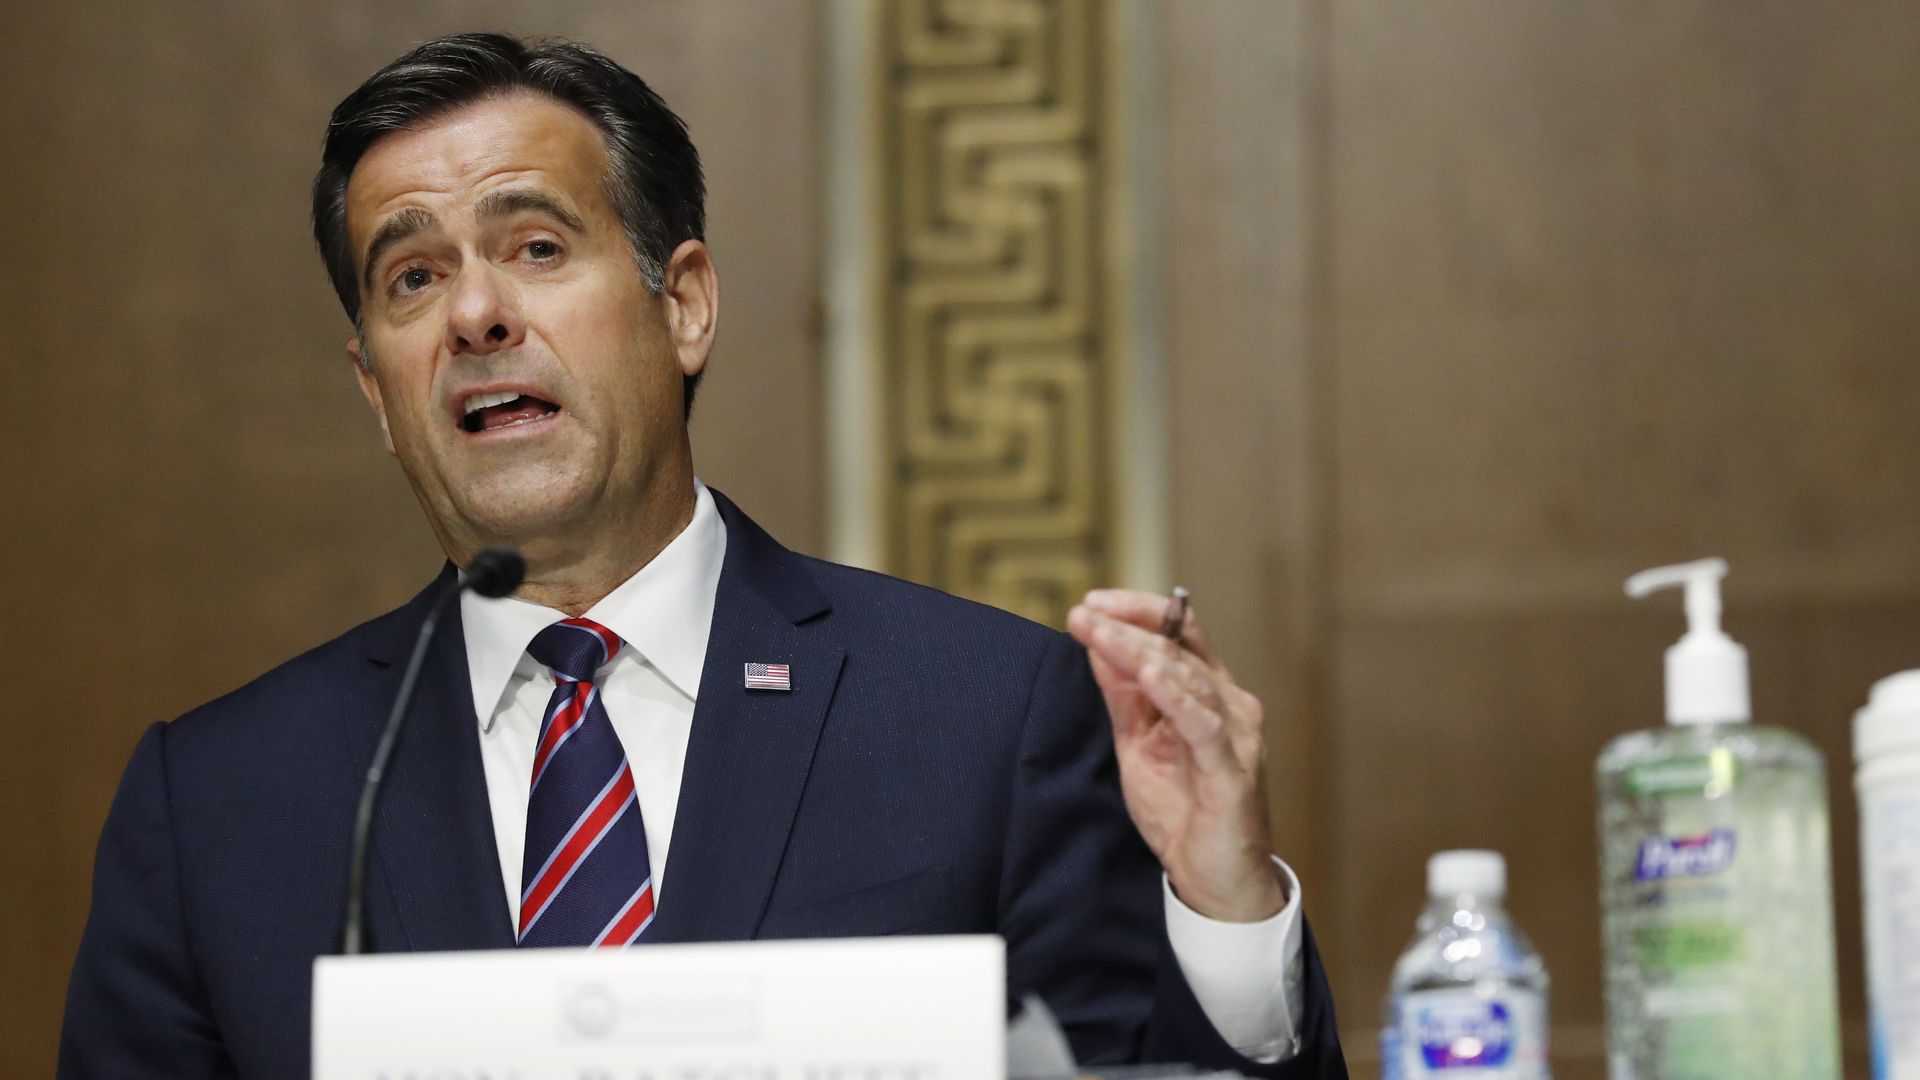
(1715, 881)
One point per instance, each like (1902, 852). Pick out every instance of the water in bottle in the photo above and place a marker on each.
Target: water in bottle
(1469, 996)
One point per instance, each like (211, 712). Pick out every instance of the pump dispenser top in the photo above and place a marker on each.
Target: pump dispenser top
(1706, 669)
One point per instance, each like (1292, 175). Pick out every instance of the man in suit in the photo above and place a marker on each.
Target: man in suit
(516, 233)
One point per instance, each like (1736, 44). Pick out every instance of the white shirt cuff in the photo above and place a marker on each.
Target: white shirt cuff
(1246, 976)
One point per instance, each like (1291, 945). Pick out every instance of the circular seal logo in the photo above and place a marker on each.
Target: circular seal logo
(592, 1011)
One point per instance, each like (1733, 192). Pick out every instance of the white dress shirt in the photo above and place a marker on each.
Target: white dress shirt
(1245, 976)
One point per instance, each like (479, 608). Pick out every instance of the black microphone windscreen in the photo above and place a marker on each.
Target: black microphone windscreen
(496, 572)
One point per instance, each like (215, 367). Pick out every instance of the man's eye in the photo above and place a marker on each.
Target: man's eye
(542, 250)
(413, 279)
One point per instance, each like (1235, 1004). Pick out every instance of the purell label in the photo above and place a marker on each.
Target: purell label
(1465, 1034)
(1663, 858)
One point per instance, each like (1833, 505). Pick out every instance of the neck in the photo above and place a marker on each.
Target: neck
(571, 579)
(577, 590)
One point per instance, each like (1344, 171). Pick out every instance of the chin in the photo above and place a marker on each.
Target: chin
(524, 514)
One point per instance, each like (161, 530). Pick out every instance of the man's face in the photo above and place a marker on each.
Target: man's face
(527, 380)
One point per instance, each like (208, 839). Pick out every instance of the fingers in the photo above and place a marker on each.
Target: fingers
(1147, 610)
(1202, 727)
(1125, 645)
(1145, 677)
(1127, 704)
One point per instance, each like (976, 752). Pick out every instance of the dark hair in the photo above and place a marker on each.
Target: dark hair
(654, 181)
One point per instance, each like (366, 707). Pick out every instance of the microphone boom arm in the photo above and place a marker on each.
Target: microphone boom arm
(494, 572)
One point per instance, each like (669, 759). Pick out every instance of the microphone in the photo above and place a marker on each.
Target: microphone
(494, 572)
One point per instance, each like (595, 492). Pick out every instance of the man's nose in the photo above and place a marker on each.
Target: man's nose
(485, 315)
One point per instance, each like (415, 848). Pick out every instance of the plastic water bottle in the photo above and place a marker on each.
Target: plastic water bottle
(1469, 996)
(1716, 887)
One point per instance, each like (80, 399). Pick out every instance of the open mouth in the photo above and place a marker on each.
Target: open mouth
(492, 412)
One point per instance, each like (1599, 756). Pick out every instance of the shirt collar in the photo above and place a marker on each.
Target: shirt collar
(664, 613)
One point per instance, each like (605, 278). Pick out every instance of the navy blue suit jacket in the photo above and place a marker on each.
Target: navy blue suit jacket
(939, 767)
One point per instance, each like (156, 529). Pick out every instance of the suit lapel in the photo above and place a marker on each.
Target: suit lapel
(433, 845)
(750, 751)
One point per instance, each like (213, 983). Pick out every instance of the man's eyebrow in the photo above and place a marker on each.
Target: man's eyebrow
(499, 204)
(409, 222)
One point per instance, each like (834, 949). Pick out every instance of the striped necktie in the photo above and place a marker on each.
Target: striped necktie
(584, 879)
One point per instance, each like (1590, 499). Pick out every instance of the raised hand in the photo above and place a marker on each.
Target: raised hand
(1191, 748)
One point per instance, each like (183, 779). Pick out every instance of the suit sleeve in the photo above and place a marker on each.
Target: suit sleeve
(1081, 905)
(136, 1006)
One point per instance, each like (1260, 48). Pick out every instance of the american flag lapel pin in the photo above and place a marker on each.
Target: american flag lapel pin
(769, 677)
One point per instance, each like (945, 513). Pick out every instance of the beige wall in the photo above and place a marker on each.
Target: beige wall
(1471, 310)
(1479, 307)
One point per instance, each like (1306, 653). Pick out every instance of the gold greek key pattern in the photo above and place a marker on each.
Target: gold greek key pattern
(998, 370)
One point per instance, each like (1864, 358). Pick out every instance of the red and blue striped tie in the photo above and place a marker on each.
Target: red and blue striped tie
(585, 878)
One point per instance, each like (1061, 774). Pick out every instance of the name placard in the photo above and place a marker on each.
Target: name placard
(911, 1008)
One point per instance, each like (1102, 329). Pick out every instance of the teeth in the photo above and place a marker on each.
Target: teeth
(476, 402)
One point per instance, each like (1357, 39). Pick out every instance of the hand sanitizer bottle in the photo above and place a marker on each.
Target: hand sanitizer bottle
(1469, 996)
(1715, 880)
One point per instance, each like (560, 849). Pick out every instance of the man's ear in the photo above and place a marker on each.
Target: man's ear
(690, 290)
(369, 387)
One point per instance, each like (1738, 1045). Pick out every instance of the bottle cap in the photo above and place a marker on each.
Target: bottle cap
(1890, 723)
(1467, 873)
(1706, 669)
